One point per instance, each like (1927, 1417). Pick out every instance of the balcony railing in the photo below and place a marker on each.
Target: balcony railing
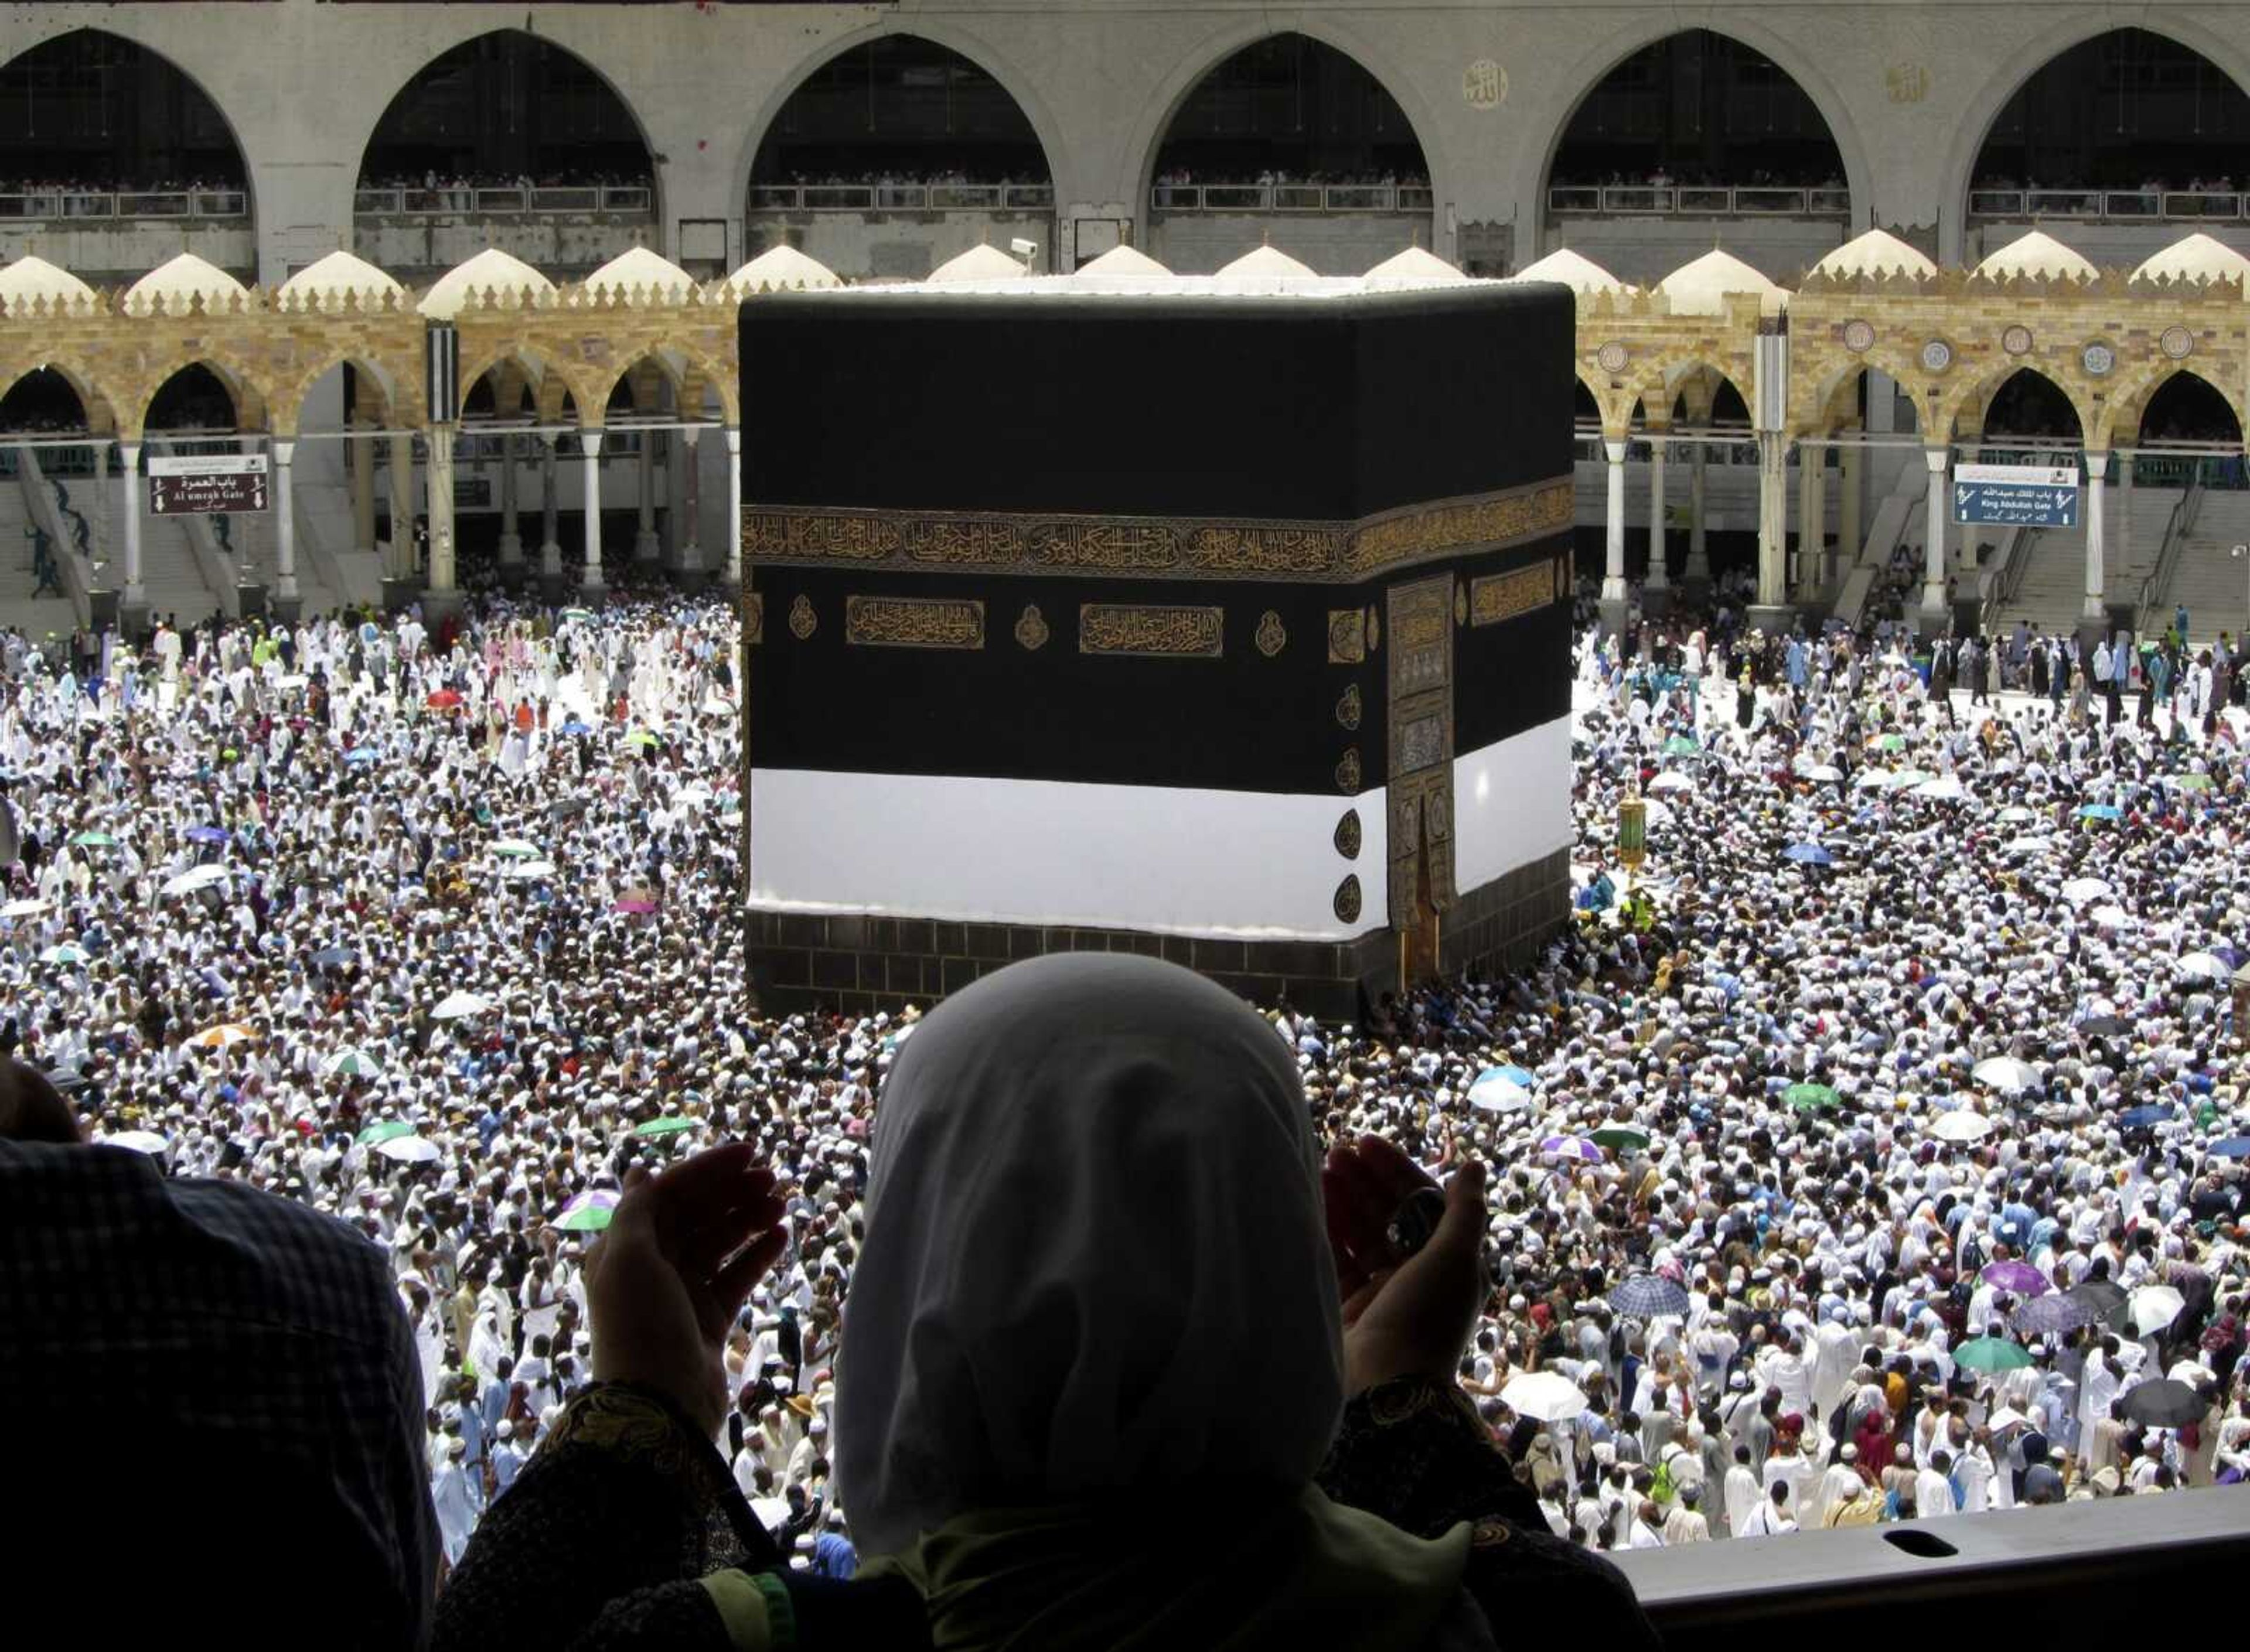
(901, 197)
(500, 202)
(1697, 201)
(40, 204)
(2116, 205)
(1291, 197)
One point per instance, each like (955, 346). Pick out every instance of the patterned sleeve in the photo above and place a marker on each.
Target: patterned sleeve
(1414, 1452)
(600, 1543)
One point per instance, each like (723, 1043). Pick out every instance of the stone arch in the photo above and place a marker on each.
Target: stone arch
(2054, 38)
(94, 403)
(445, 49)
(1598, 63)
(247, 397)
(173, 64)
(2120, 421)
(938, 31)
(397, 393)
(1843, 377)
(1978, 396)
(1165, 102)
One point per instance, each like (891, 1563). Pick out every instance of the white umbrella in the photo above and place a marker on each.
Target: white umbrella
(515, 848)
(1944, 789)
(525, 871)
(1823, 773)
(146, 1142)
(195, 879)
(1960, 1126)
(1672, 781)
(2155, 1307)
(413, 1150)
(2032, 845)
(459, 1006)
(1497, 1093)
(1658, 812)
(2006, 1072)
(2079, 891)
(1544, 1396)
(24, 908)
(2015, 812)
(1869, 779)
(2006, 1417)
(2200, 966)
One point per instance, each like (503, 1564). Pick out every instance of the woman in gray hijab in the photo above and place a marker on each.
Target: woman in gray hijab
(1125, 1366)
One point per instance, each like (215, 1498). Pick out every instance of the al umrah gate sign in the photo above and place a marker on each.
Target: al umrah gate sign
(184, 484)
(2016, 495)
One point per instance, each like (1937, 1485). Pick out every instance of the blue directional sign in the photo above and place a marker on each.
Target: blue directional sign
(2016, 495)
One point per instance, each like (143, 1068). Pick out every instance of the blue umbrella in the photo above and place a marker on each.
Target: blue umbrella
(2136, 1117)
(1646, 1296)
(574, 726)
(361, 755)
(1514, 1074)
(2100, 811)
(205, 835)
(1807, 854)
(2233, 1147)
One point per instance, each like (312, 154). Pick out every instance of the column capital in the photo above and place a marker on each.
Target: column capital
(590, 439)
(1615, 449)
(733, 439)
(1937, 458)
(285, 450)
(129, 454)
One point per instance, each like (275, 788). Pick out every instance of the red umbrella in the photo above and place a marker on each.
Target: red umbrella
(636, 903)
(444, 700)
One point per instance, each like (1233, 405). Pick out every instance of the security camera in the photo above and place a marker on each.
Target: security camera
(1022, 248)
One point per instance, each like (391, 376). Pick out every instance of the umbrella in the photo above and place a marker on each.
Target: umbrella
(2191, 782)
(2100, 811)
(1545, 1396)
(146, 1142)
(515, 849)
(205, 834)
(2006, 1418)
(389, 1130)
(199, 878)
(1823, 773)
(577, 613)
(24, 908)
(69, 952)
(2052, 1314)
(1960, 1126)
(525, 871)
(644, 737)
(444, 700)
(2028, 845)
(2105, 1302)
(2006, 1072)
(2110, 916)
(2155, 1306)
(1514, 1074)
(574, 726)
(1991, 1353)
(1944, 789)
(1623, 1138)
(1807, 854)
(334, 957)
(1571, 1147)
(2015, 813)
(1812, 1098)
(589, 1213)
(409, 1150)
(459, 1006)
(2164, 1403)
(670, 1126)
(1888, 742)
(361, 755)
(1869, 779)
(2141, 1117)
(2200, 966)
(636, 905)
(2079, 891)
(2105, 1026)
(1681, 746)
(2019, 1276)
(354, 1063)
(1648, 1296)
(94, 840)
(1672, 781)
(1494, 1091)
(225, 1035)
(2233, 1147)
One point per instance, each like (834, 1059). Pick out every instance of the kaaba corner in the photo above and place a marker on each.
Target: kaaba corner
(1229, 624)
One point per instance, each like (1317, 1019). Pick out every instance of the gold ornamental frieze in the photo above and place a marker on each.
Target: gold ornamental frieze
(1150, 629)
(913, 622)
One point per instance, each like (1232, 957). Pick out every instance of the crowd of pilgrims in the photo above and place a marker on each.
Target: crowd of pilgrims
(432, 928)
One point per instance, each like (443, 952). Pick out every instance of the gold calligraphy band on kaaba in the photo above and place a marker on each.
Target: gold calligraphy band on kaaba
(1150, 629)
(913, 622)
(1173, 547)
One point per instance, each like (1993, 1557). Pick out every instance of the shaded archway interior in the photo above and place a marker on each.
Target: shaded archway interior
(900, 109)
(195, 400)
(1290, 109)
(2186, 409)
(504, 109)
(2030, 405)
(42, 403)
(1698, 107)
(2126, 110)
(93, 110)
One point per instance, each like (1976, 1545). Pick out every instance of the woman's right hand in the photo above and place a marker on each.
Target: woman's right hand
(1403, 1315)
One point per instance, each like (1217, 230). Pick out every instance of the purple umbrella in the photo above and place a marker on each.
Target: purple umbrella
(2019, 1276)
(2051, 1314)
(1571, 1147)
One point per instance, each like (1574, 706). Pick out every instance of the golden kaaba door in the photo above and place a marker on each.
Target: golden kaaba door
(1420, 780)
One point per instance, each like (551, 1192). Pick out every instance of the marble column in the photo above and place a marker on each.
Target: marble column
(734, 505)
(2094, 612)
(1811, 520)
(1657, 579)
(1699, 554)
(590, 579)
(1773, 519)
(136, 595)
(400, 563)
(441, 439)
(1933, 611)
(1613, 589)
(284, 523)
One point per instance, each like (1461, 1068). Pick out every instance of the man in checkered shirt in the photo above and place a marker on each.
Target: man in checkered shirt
(213, 1402)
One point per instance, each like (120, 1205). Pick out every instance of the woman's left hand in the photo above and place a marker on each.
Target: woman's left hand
(664, 1283)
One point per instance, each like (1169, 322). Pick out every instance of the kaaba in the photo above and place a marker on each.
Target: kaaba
(1227, 626)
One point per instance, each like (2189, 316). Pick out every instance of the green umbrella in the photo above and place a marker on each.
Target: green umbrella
(94, 840)
(389, 1130)
(589, 1213)
(1681, 746)
(577, 613)
(357, 1064)
(2185, 782)
(1891, 743)
(1991, 1353)
(1623, 1138)
(1812, 1098)
(643, 737)
(670, 1126)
